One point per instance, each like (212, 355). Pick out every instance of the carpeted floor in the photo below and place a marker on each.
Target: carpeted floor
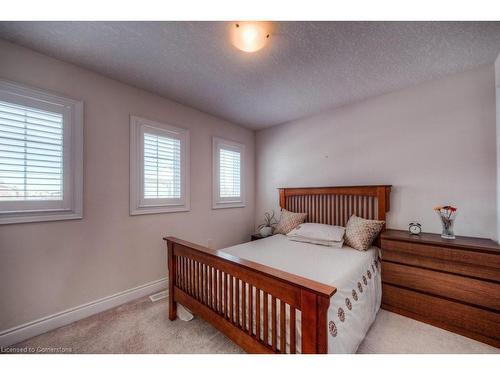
(142, 326)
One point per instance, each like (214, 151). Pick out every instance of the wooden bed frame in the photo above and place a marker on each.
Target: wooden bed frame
(209, 282)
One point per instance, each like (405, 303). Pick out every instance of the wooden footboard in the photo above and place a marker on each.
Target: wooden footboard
(254, 305)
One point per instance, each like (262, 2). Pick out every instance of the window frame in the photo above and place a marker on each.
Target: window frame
(71, 206)
(138, 204)
(227, 202)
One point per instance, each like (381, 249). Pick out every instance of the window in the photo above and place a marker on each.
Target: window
(228, 186)
(159, 167)
(41, 155)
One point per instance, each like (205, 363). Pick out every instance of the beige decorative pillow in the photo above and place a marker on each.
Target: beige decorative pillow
(360, 233)
(288, 221)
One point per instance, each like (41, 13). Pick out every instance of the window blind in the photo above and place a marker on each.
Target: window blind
(31, 154)
(162, 167)
(229, 177)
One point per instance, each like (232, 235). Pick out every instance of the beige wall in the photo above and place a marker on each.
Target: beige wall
(435, 143)
(48, 267)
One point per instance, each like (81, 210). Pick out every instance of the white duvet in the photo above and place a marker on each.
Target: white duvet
(355, 274)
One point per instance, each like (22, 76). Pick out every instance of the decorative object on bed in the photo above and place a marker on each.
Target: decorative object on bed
(214, 285)
(320, 234)
(414, 228)
(447, 214)
(454, 285)
(266, 229)
(288, 221)
(360, 233)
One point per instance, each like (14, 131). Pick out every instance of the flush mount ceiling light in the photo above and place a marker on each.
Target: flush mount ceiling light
(250, 36)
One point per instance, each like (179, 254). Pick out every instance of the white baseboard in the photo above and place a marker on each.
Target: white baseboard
(27, 330)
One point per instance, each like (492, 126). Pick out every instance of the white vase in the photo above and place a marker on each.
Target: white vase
(265, 231)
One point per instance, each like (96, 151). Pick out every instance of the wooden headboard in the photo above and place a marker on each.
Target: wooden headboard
(334, 205)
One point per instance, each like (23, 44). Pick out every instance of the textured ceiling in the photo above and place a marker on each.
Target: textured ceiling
(306, 68)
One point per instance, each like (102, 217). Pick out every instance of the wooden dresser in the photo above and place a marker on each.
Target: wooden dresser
(452, 284)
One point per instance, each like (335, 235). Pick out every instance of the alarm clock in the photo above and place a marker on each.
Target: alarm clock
(415, 228)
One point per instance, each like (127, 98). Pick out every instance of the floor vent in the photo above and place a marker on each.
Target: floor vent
(158, 296)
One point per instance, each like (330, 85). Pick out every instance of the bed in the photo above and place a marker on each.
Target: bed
(279, 296)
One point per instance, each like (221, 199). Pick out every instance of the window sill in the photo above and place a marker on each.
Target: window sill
(158, 210)
(32, 218)
(219, 205)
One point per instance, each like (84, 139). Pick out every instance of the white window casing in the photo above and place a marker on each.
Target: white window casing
(228, 173)
(41, 155)
(159, 167)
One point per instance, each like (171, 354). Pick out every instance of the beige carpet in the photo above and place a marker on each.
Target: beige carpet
(142, 326)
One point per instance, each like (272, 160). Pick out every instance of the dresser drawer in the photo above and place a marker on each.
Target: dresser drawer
(450, 254)
(470, 321)
(471, 291)
(465, 269)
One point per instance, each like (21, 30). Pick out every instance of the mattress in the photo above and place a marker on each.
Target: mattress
(355, 274)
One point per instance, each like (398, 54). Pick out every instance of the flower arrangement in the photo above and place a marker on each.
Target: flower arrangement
(266, 228)
(447, 215)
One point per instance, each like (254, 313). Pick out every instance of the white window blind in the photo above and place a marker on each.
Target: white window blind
(31, 154)
(162, 167)
(229, 174)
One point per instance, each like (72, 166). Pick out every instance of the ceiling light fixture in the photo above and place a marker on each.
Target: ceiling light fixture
(250, 36)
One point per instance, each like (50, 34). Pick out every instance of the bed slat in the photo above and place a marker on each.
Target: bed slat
(274, 322)
(292, 330)
(282, 327)
(250, 309)
(266, 319)
(227, 281)
(257, 313)
(243, 305)
(231, 299)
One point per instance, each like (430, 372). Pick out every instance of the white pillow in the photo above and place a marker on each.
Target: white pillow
(320, 232)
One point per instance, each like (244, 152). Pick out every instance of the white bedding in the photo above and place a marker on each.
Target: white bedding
(355, 274)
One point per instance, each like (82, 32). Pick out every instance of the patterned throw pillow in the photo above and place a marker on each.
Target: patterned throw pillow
(288, 221)
(360, 233)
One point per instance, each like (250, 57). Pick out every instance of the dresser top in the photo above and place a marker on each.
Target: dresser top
(467, 243)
